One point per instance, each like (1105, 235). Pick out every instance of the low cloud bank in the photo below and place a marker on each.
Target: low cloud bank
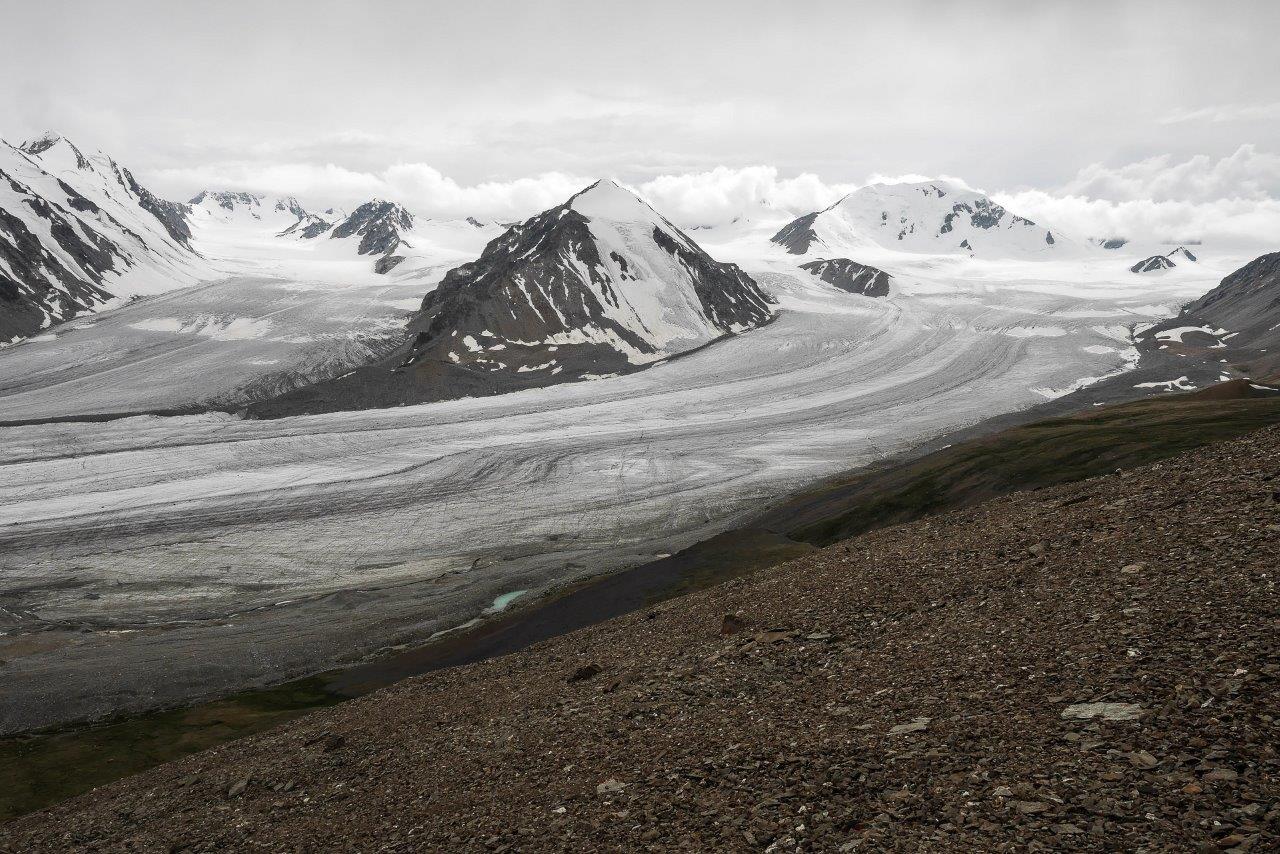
(1159, 198)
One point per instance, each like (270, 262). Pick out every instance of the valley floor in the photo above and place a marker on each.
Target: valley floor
(151, 561)
(1085, 667)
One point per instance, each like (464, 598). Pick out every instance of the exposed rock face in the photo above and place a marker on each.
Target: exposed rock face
(38, 286)
(927, 217)
(850, 276)
(72, 229)
(1109, 242)
(1182, 253)
(172, 215)
(798, 235)
(1152, 264)
(379, 225)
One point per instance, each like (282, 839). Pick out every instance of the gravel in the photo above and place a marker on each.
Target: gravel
(987, 680)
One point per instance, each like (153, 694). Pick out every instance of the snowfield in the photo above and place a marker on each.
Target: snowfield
(244, 551)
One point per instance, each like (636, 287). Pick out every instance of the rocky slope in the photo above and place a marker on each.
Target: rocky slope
(1247, 301)
(850, 276)
(600, 285)
(78, 231)
(1090, 667)
(928, 217)
(1233, 330)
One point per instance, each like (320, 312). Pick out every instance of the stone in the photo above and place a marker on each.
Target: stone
(585, 672)
(1143, 759)
(1106, 711)
(916, 725)
(610, 787)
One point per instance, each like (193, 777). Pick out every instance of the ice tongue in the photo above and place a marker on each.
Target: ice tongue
(605, 199)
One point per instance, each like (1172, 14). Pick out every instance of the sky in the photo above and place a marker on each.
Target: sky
(1138, 115)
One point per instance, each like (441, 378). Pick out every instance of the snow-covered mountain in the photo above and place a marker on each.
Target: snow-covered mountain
(78, 232)
(934, 217)
(601, 284)
(228, 206)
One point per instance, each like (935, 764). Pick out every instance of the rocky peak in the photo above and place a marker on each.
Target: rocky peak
(378, 223)
(1153, 264)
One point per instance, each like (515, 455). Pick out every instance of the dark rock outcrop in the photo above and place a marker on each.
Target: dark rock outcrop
(387, 263)
(798, 235)
(1152, 264)
(850, 276)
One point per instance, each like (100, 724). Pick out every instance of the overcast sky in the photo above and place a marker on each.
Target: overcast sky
(497, 107)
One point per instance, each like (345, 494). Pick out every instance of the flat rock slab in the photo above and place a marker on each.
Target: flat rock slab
(1106, 711)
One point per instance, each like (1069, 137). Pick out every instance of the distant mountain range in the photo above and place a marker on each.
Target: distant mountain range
(600, 285)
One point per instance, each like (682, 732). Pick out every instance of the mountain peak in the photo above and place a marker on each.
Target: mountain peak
(41, 143)
(49, 141)
(607, 199)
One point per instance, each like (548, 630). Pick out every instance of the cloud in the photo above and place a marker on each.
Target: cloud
(1254, 221)
(418, 186)
(693, 198)
(721, 194)
(1235, 197)
(1247, 173)
(1223, 113)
